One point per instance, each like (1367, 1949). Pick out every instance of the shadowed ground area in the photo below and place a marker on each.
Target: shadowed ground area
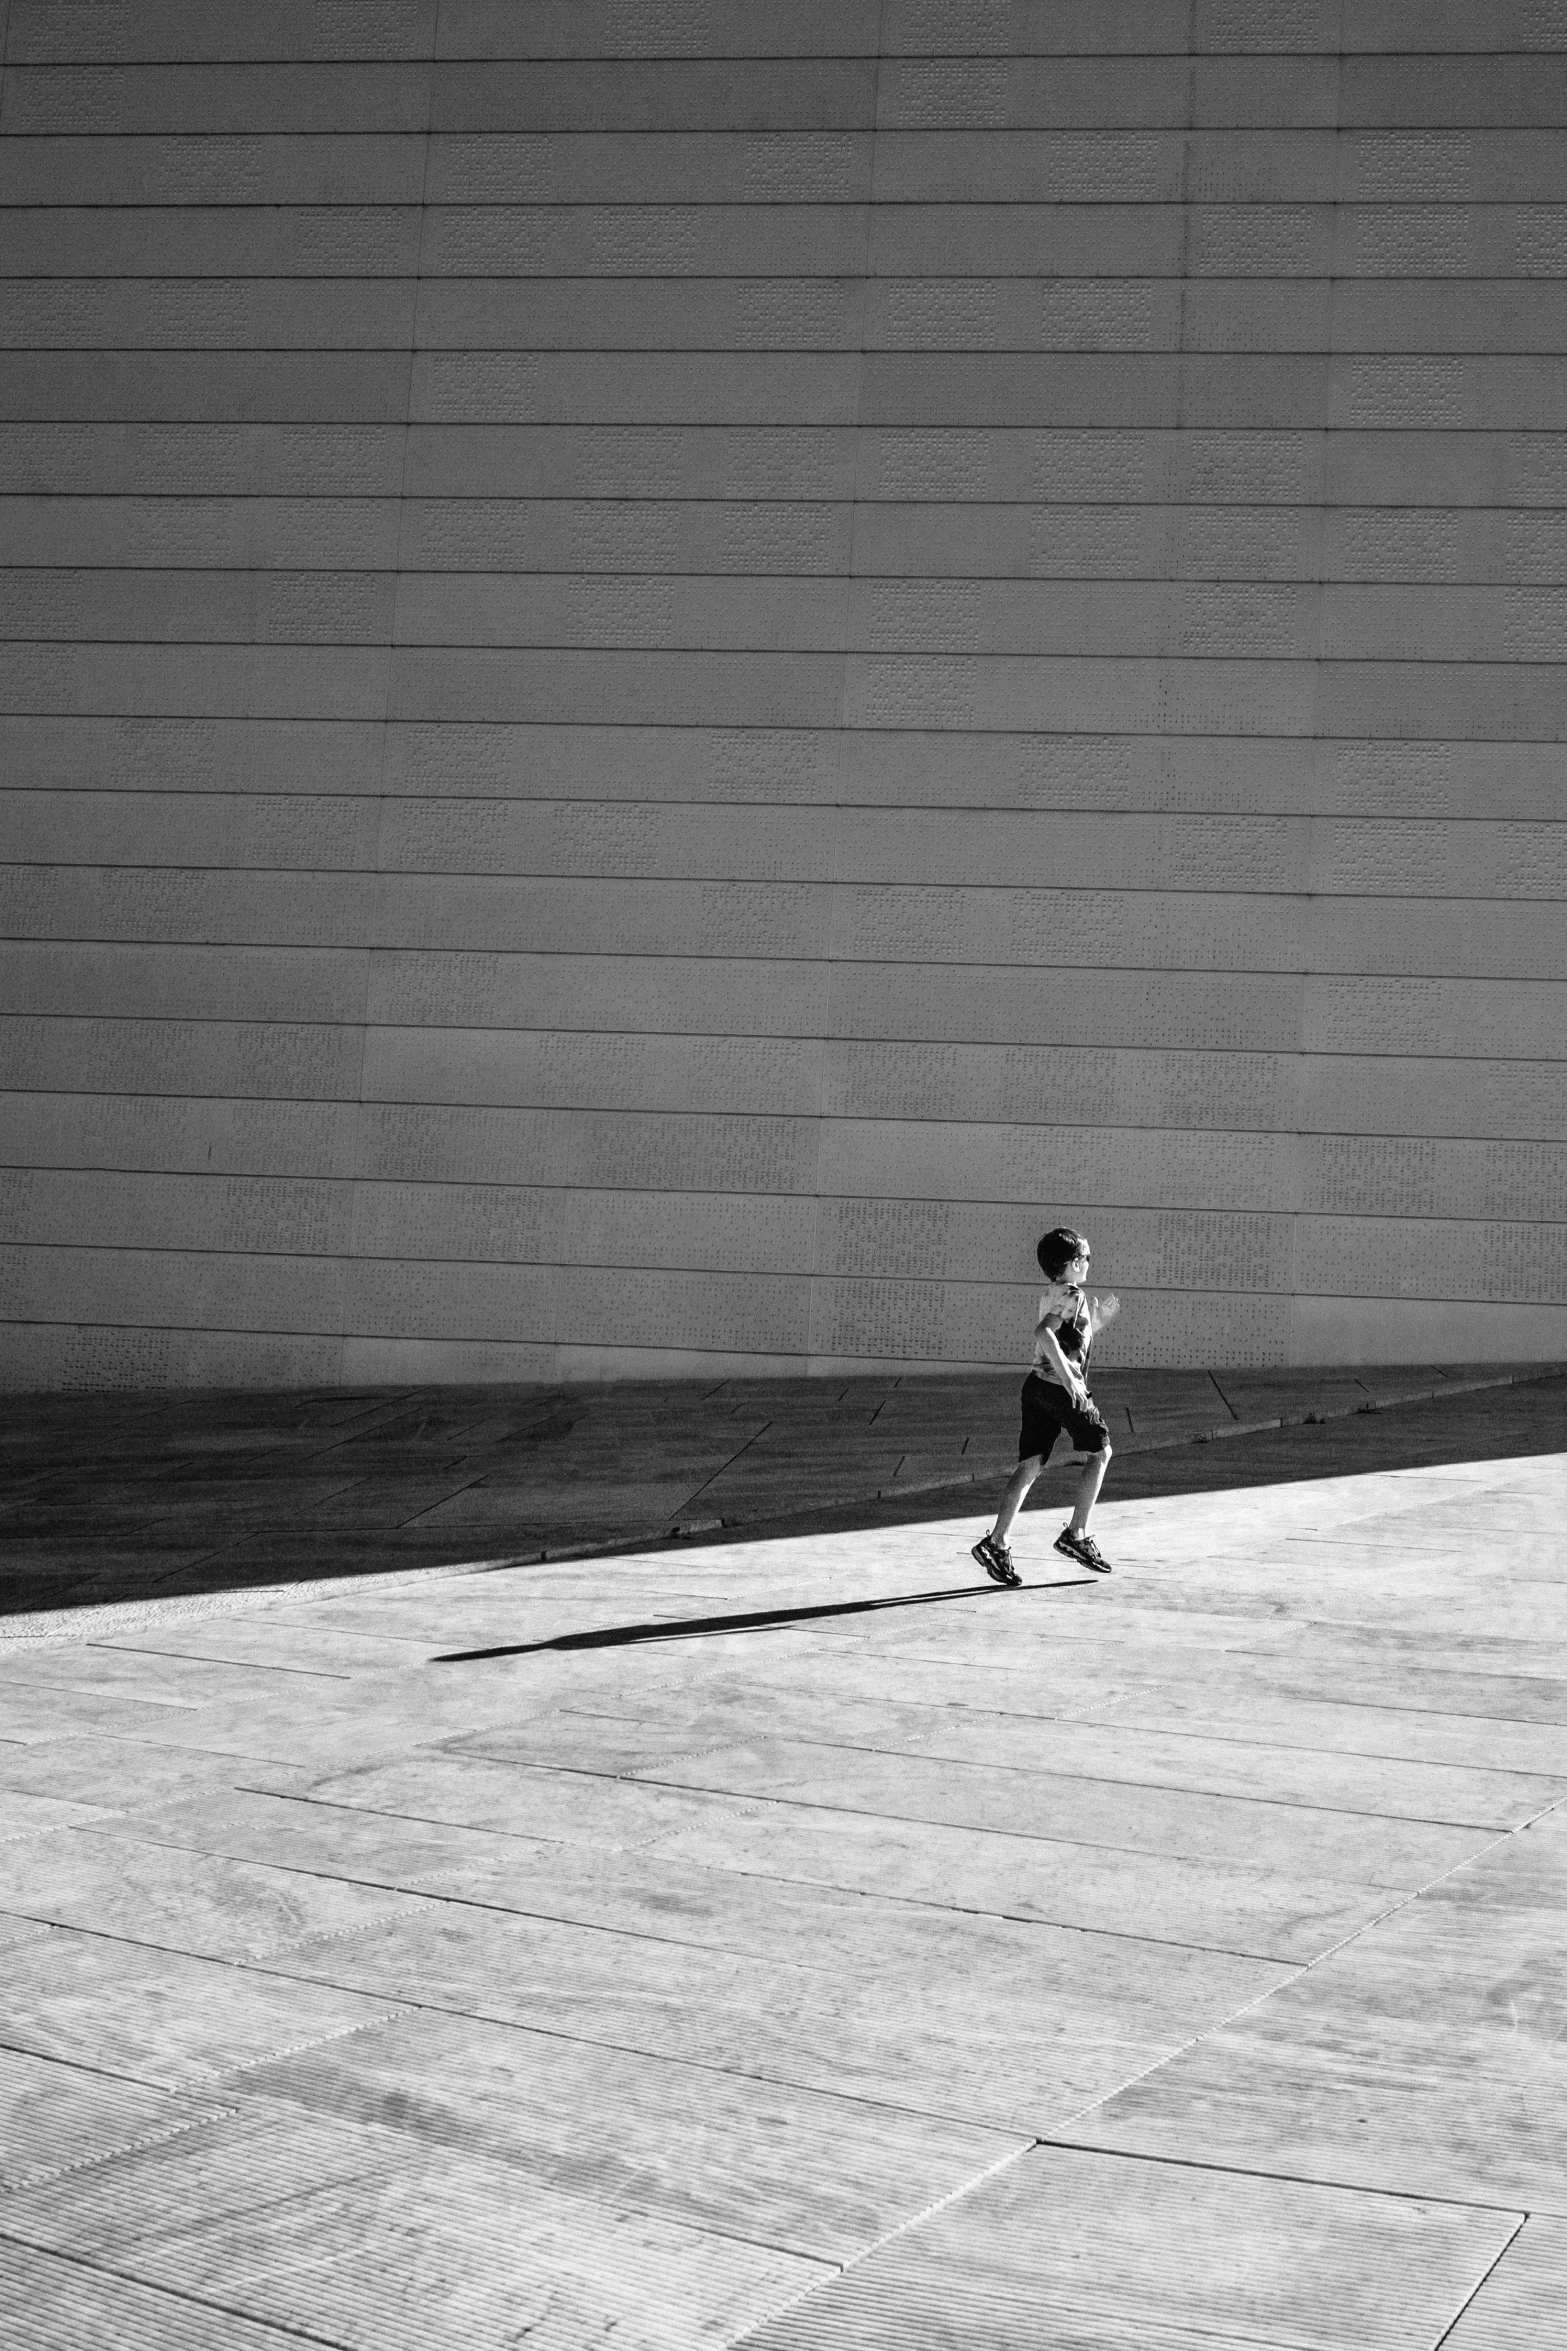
(177, 1493)
(785, 1937)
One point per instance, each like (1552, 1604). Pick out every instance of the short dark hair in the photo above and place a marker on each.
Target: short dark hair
(1057, 1250)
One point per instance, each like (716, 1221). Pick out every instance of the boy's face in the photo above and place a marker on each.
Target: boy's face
(1077, 1271)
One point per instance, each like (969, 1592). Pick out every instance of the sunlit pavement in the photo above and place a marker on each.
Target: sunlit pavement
(799, 1939)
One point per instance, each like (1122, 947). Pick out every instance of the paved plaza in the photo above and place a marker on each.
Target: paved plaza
(421, 1929)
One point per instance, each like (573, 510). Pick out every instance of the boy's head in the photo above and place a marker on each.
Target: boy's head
(1059, 1252)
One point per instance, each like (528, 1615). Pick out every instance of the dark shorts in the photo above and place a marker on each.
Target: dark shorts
(1047, 1410)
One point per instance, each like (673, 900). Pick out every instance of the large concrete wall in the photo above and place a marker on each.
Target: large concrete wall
(679, 664)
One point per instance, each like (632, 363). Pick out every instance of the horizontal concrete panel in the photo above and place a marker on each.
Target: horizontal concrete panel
(1383, 1257)
(252, 1291)
(87, 1356)
(364, 168)
(182, 983)
(903, 1241)
(280, 1061)
(224, 387)
(1515, 1020)
(641, 995)
(44, 32)
(1409, 1015)
(267, 98)
(1452, 702)
(796, 1076)
(597, 28)
(181, 1290)
(186, 754)
(167, 1135)
(1090, 390)
(653, 302)
(1506, 91)
(91, 1208)
(1514, 1023)
(298, 241)
(987, 618)
(195, 1056)
(282, 681)
(1078, 929)
(1177, 1169)
(722, 690)
(986, 623)
(227, 533)
(751, 764)
(323, 461)
(965, 462)
(1447, 545)
(766, 1076)
(1509, 1020)
(1058, 28)
(164, 313)
(635, 460)
(1291, 391)
(1474, 860)
(653, 95)
(190, 607)
(1450, 546)
(222, 830)
(1417, 1331)
(1260, 166)
(1335, 1094)
(955, 463)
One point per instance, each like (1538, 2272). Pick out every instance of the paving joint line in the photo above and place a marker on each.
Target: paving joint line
(1304, 2179)
(1481, 2283)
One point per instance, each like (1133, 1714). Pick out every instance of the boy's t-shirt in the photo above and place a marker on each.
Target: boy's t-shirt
(1064, 1309)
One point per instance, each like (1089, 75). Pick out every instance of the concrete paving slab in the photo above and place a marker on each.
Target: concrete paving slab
(1119, 1814)
(47, 2300)
(1521, 2300)
(364, 2238)
(813, 2028)
(1254, 1912)
(1127, 1987)
(1130, 2254)
(110, 1773)
(817, 2175)
(1092, 1751)
(164, 2018)
(36, 1816)
(329, 1840)
(154, 1676)
(58, 2117)
(182, 1901)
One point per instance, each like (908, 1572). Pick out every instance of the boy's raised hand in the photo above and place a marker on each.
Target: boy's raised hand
(1103, 1310)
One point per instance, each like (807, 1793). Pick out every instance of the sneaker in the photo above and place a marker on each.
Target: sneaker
(1084, 1548)
(996, 1560)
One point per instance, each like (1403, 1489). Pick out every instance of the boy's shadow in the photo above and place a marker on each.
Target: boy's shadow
(762, 1620)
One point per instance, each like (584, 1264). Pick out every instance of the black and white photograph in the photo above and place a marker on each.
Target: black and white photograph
(783, 1175)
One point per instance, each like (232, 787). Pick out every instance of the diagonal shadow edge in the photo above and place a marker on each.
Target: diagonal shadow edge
(759, 1620)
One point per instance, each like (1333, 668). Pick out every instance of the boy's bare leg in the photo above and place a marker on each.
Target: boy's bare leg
(1088, 1486)
(1012, 1500)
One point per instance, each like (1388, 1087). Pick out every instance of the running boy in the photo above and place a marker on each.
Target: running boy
(1055, 1397)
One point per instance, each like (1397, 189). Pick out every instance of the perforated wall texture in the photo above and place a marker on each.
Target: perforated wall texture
(670, 670)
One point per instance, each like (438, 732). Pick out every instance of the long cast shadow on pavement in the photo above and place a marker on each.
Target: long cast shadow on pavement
(762, 1620)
